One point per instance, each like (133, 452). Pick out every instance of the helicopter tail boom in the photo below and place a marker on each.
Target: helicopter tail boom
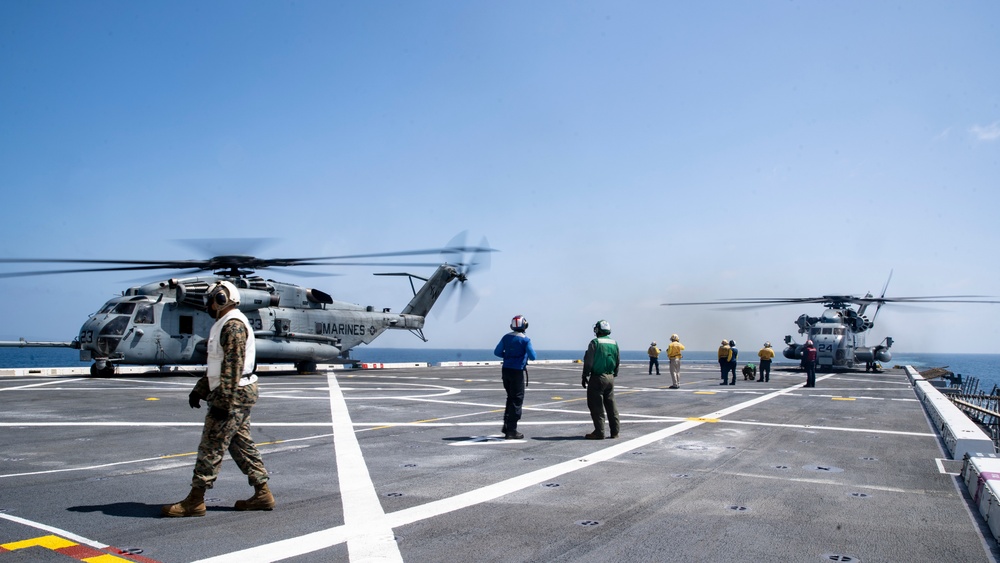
(429, 293)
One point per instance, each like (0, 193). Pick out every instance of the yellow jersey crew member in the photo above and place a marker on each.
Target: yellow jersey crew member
(229, 386)
(674, 356)
(654, 358)
(766, 354)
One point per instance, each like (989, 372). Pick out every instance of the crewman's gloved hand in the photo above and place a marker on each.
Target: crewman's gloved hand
(219, 414)
(194, 399)
(583, 382)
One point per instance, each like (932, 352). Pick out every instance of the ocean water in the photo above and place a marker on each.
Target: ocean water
(985, 367)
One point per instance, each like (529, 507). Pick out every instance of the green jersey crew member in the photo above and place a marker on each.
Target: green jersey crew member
(600, 368)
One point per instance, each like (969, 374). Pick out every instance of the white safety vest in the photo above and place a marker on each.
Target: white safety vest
(215, 353)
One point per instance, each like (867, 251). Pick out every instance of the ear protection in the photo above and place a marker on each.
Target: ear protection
(223, 295)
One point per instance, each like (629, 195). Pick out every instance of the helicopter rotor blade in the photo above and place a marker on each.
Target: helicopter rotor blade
(237, 262)
(77, 271)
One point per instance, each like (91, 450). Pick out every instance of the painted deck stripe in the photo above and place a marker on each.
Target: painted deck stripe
(372, 538)
(309, 543)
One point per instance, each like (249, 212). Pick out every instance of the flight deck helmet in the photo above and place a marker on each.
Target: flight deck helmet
(602, 328)
(223, 294)
(674, 338)
(519, 324)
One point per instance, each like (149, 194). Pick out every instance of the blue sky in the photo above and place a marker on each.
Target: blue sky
(619, 155)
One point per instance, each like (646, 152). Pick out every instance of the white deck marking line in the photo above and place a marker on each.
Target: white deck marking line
(38, 384)
(54, 530)
(372, 538)
(323, 539)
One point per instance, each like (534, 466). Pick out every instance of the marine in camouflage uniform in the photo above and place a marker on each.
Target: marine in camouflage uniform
(227, 423)
(234, 431)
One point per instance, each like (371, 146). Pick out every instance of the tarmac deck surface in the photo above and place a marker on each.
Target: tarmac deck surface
(408, 465)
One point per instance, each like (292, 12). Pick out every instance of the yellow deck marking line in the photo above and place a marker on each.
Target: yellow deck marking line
(843, 398)
(48, 542)
(54, 530)
(704, 419)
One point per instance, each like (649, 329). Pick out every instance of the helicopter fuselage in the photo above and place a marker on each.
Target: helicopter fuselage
(839, 345)
(167, 322)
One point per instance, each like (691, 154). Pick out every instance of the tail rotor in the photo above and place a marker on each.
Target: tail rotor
(466, 260)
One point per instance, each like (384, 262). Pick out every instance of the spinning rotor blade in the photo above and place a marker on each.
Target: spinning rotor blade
(235, 263)
(467, 259)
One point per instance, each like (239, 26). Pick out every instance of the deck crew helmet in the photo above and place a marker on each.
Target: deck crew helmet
(602, 328)
(222, 294)
(674, 338)
(809, 342)
(519, 324)
(767, 344)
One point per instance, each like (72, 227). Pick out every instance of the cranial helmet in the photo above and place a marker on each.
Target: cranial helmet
(223, 294)
(767, 344)
(519, 324)
(674, 338)
(725, 343)
(809, 342)
(653, 343)
(602, 328)
(732, 343)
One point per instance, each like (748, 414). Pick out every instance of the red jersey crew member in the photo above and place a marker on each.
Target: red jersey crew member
(230, 388)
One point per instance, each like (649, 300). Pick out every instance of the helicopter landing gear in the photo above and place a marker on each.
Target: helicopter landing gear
(102, 368)
(305, 366)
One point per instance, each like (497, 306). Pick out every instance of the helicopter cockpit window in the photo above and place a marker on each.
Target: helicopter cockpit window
(115, 327)
(827, 331)
(839, 331)
(124, 308)
(144, 313)
(106, 309)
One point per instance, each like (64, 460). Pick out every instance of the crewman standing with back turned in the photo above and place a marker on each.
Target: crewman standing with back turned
(230, 388)
(515, 349)
(600, 368)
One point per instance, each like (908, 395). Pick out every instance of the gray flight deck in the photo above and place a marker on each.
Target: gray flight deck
(406, 465)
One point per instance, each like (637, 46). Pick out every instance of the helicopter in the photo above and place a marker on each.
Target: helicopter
(167, 322)
(839, 332)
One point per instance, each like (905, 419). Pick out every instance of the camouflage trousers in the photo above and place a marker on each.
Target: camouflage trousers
(232, 434)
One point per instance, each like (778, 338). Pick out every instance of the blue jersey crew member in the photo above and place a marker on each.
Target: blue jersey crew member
(600, 368)
(230, 388)
(515, 349)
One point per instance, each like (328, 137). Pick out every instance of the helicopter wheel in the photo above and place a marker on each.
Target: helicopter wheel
(305, 366)
(106, 370)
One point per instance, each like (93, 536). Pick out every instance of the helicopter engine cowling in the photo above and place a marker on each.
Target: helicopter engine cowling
(194, 295)
(254, 299)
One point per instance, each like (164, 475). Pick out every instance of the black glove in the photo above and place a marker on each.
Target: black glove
(219, 414)
(584, 382)
(194, 399)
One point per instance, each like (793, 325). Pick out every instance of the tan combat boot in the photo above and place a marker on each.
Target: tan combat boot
(262, 499)
(193, 505)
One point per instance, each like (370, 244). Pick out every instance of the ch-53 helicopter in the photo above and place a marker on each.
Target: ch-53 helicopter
(839, 332)
(166, 322)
